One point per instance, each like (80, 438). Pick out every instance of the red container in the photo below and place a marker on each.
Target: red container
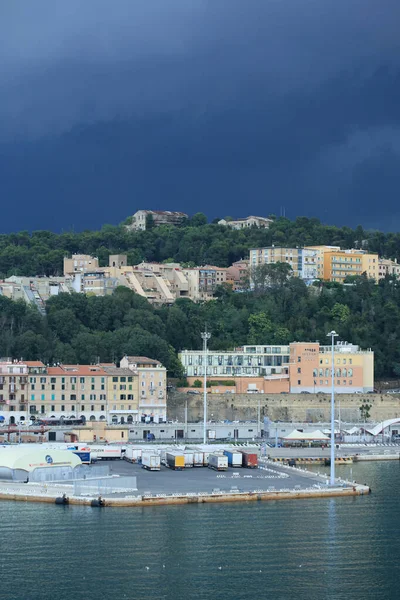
(250, 460)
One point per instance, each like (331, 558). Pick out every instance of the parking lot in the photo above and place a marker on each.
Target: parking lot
(203, 479)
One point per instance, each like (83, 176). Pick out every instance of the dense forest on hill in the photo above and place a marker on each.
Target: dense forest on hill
(79, 328)
(196, 241)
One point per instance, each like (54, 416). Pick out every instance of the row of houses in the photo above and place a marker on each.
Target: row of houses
(299, 367)
(329, 263)
(142, 219)
(32, 391)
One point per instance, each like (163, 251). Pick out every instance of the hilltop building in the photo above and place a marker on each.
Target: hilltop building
(246, 222)
(296, 367)
(160, 217)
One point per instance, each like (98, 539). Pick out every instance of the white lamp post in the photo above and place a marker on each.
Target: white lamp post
(205, 337)
(332, 335)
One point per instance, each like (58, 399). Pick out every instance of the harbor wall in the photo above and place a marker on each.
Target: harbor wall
(312, 408)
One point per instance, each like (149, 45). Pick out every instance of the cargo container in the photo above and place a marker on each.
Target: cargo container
(218, 462)
(175, 460)
(133, 454)
(189, 459)
(250, 459)
(234, 458)
(150, 461)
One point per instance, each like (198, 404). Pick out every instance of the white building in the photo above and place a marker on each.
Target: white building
(247, 222)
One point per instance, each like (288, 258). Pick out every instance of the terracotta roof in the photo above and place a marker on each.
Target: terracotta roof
(82, 370)
(113, 370)
(32, 363)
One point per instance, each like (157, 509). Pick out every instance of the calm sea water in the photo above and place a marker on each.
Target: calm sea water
(311, 549)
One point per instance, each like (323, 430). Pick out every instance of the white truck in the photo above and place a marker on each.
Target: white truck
(106, 452)
(151, 461)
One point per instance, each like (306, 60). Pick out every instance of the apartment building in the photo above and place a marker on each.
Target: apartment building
(122, 395)
(203, 281)
(152, 385)
(31, 391)
(306, 263)
(297, 367)
(319, 262)
(247, 222)
(339, 264)
(80, 263)
(160, 217)
(310, 368)
(237, 275)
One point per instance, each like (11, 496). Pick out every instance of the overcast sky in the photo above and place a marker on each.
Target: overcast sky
(221, 106)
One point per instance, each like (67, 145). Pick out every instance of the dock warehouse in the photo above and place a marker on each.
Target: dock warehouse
(19, 463)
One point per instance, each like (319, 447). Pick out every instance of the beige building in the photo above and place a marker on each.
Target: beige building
(237, 275)
(246, 222)
(13, 391)
(160, 217)
(152, 385)
(80, 263)
(388, 267)
(203, 281)
(306, 263)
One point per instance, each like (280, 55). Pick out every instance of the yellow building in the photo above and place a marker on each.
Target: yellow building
(337, 264)
(122, 394)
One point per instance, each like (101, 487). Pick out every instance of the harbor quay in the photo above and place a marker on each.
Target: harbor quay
(125, 483)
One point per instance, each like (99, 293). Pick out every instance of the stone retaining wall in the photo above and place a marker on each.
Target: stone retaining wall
(282, 407)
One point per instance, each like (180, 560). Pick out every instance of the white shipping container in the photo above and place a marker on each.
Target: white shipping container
(151, 462)
(198, 458)
(105, 452)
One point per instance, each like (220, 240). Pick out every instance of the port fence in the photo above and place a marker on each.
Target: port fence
(65, 474)
(105, 486)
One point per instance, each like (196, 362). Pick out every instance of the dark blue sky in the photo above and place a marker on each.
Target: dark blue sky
(225, 107)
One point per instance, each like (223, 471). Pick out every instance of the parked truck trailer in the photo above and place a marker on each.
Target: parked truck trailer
(175, 460)
(234, 458)
(250, 459)
(218, 462)
(150, 461)
(133, 454)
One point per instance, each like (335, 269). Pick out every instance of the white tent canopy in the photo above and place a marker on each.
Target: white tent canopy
(312, 436)
(381, 426)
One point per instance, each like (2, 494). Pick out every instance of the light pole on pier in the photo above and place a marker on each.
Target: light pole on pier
(205, 337)
(332, 334)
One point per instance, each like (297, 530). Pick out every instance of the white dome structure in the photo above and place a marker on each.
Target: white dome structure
(16, 462)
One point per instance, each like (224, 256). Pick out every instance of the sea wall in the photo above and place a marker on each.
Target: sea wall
(282, 407)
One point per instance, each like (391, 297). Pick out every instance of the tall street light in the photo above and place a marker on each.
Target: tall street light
(332, 335)
(205, 337)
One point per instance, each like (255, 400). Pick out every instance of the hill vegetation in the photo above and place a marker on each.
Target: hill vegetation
(86, 329)
(196, 242)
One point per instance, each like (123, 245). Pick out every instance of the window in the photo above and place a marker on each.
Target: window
(326, 382)
(83, 407)
(73, 408)
(299, 359)
(73, 379)
(299, 369)
(72, 397)
(92, 407)
(299, 382)
(62, 396)
(350, 382)
(52, 380)
(62, 407)
(53, 396)
(42, 409)
(321, 382)
(82, 396)
(102, 407)
(42, 397)
(81, 380)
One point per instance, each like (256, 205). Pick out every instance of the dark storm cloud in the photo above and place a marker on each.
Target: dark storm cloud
(274, 98)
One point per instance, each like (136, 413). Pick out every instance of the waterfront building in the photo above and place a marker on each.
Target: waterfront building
(297, 367)
(160, 217)
(31, 391)
(152, 385)
(246, 222)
